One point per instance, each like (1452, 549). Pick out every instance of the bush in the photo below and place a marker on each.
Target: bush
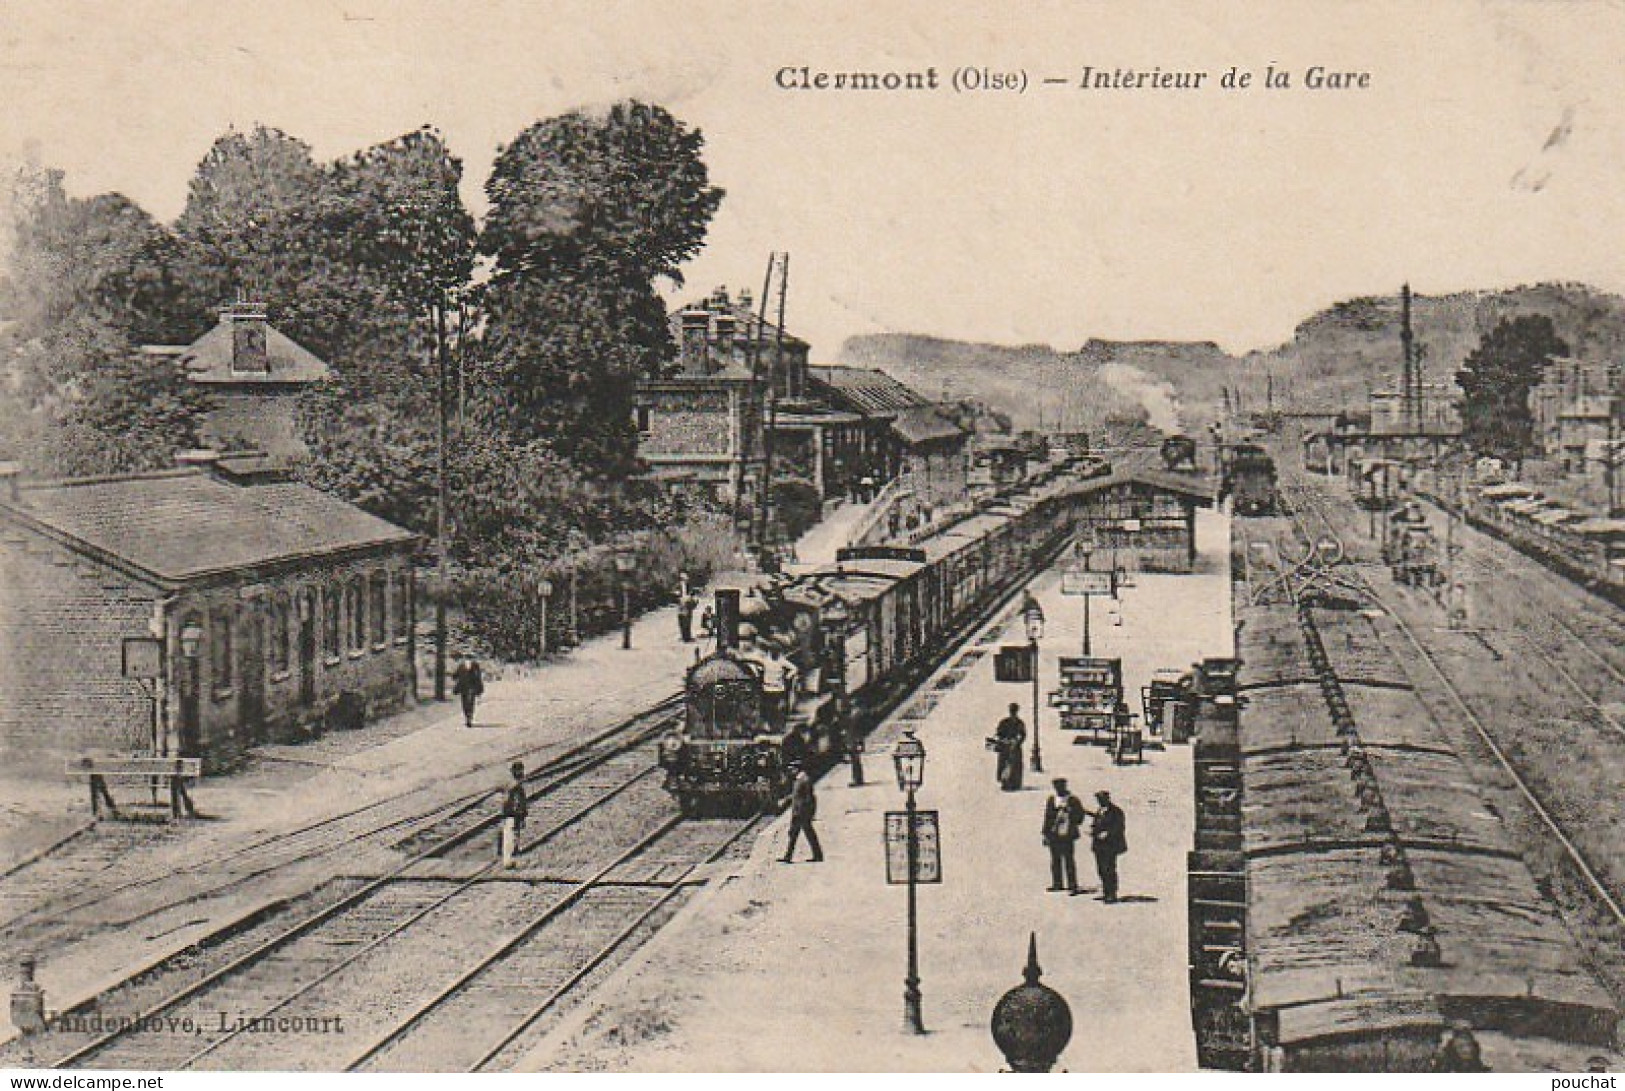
(797, 506)
(502, 607)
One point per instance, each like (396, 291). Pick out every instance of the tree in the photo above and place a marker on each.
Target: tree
(1496, 379)
(587, 211)
(86, 284)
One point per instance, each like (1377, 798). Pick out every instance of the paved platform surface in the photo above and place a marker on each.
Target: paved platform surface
(800, 967)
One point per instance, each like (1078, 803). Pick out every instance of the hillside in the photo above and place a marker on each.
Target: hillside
(1334, 357)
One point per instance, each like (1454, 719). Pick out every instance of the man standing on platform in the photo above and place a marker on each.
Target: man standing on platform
(468, 683)
(1009, 737)
(685, 617)
(1108, 836)
(803, 809)
(1063, 822)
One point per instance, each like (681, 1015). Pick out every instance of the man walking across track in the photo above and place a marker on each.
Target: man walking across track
(1108, 836)
(1009, 737)
(468, 683)
(1063, 822)
(803, 809)
(515, 807)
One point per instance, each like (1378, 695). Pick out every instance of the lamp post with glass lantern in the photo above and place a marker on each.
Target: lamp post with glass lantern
(1033, 615)
(191, 646)
(909, 758)
(544, 591)
(626, 563)
(1086, 550)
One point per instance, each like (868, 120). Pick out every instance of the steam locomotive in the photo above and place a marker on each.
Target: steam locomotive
(805, 664)
(1250, 479)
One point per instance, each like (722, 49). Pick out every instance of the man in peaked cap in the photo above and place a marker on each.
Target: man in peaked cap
(1063, 821)
(1108, 837)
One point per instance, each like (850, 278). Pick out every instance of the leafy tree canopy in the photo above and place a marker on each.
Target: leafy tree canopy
(1496, 379)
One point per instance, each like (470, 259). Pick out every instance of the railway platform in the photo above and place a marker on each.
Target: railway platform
(174, 884)
(800, 967)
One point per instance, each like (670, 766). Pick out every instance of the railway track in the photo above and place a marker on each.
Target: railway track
(600, 771)
(1544, 808)
(40, 914)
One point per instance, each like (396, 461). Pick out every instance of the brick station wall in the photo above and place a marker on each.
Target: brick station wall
(62, 624)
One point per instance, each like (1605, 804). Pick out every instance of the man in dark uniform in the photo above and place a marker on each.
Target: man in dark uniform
(685, 617)
(515, 808)
(468, 682)
(1063, 822)
(793, 751)
(1108, 836)
(803, 809)
(1009, 736)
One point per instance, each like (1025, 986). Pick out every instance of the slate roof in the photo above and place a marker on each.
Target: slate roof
(867, 390)
(179, 526)
(208, 359)
(923, 424)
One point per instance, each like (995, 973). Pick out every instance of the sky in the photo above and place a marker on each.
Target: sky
(1487, 150)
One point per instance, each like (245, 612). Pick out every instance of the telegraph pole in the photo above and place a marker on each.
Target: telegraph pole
(758, 523)
(442, 504)
(773, 402)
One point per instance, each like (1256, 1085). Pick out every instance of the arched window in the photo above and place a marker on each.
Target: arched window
(330, 622)
(355, 607)
(279, 653)
(378, 589)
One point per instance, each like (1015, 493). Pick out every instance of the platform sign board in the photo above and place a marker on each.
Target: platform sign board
(143, 658)
(927, 848)
(1013, 663)
(1075, 582)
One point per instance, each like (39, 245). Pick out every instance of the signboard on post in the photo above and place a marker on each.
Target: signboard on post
(143, 658)
(927, 848)
(1076, 582)
(1013, 663)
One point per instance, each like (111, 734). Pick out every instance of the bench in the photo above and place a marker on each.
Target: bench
(173, 773)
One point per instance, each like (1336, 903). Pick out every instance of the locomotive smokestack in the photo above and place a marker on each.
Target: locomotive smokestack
(727, 618)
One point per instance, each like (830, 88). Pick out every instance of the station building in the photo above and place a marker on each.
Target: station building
(270, 607)
(1142, 520)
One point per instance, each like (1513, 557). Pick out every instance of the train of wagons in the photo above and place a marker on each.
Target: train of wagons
(1354, 903)
(803, 661)
(1586, 548)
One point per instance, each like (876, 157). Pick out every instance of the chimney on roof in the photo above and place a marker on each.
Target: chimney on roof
(722, 353)
(695, 349)
(248, 329)
(11, 476)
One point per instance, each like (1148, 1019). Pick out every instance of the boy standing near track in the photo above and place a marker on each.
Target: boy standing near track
(515, 806)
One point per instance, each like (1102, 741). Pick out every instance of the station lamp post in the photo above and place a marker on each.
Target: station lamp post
(544, 591)
(626, 563)
(909, 758)
(191, 648)
(1033, 616)
(1086, 550)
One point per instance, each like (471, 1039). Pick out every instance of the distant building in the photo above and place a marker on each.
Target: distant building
(296, 605)
(1438, 412)
(701, 425)
(1572, 407)
(910, 436)
(253, 375)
